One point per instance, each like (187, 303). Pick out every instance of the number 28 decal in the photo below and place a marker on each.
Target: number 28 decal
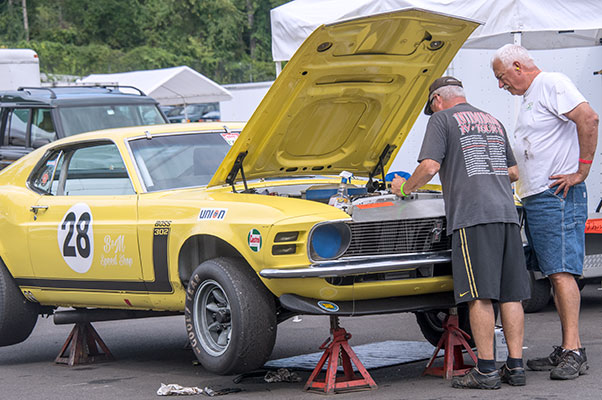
(76, 239)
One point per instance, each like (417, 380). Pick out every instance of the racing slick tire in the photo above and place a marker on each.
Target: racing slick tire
(431, 324)
(17, 315)
(230, 317)
(540, 294)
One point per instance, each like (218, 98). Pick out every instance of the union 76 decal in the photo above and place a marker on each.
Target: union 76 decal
(213, 213)
(76, 239)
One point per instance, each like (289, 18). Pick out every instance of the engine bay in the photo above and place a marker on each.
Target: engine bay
(365, 206)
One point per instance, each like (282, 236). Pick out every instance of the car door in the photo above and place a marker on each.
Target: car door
(84, 234)
(23, 130)
(15, 143)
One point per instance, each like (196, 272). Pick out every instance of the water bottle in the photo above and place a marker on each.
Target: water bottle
(341, 198)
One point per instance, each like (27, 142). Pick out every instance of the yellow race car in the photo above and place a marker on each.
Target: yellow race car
(242, 227)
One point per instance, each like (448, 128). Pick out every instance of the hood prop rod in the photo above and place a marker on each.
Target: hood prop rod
(380, 168)
(234, 172)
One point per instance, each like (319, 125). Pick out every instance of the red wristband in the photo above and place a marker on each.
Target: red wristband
(581, 160)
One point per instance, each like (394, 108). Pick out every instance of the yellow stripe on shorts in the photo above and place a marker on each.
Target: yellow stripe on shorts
(466, 255)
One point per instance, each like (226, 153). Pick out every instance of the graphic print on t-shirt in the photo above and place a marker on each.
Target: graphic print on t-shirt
(483, 143)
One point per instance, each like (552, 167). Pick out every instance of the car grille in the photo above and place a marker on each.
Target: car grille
(399, 236)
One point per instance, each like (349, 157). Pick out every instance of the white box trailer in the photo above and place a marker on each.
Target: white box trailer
(245, 99)
(19, 67)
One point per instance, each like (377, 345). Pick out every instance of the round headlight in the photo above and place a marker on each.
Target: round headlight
(329, 241)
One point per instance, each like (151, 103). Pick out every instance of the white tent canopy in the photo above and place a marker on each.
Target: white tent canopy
(543, 24)
(169, 86)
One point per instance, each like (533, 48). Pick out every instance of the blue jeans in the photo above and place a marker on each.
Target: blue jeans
(555, 228)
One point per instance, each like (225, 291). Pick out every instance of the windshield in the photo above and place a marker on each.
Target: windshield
(179, 161)
(90, 118)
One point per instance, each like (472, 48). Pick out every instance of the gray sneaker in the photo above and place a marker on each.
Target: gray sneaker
(514, 376)
(546, 363)
(475, 379)
(571, 365)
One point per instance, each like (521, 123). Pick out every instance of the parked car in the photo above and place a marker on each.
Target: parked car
(236, 231)
(166, 109)
(211, 116)
(202, 112)
(31, 117)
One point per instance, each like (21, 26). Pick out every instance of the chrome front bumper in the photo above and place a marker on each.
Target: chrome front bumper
(360, 265)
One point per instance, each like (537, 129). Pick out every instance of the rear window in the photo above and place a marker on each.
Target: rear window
(42, 127)
(90, 118)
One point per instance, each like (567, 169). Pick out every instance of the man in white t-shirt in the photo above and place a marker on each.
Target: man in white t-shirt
(554, 144)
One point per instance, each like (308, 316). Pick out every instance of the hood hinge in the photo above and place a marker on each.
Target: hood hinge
(379, 168)
(234, 171)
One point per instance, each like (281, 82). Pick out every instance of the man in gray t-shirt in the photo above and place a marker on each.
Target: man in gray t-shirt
(470, 151)
(472, 148)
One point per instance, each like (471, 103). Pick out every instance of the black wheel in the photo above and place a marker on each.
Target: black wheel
(230, 317)
(17, 315)
(431, 324)
(540, 294)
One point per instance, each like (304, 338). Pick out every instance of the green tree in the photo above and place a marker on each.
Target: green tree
(226, 40)
(11, 22)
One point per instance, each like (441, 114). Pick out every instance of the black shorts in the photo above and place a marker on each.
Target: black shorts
(488, 262)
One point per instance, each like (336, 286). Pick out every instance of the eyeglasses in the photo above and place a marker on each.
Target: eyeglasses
(433, 98)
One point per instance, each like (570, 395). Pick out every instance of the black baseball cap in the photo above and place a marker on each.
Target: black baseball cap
(439, 83)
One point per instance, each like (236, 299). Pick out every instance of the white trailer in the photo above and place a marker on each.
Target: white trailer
(245, 99)
(19, 67)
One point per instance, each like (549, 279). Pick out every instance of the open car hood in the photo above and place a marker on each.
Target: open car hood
(348, 97)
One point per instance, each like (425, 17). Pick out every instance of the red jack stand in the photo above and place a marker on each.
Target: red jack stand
(452, 341)
(83, 339)
(336, 349)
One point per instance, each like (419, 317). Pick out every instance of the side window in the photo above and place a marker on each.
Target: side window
(16, 134)
(42, 128)
(151, 115)
(85, 171)
(96, 170)
(45, 177)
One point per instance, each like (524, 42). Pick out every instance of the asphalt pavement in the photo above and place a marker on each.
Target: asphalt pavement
(152, 351)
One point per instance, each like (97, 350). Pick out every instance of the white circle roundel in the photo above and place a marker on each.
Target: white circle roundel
(76, 239)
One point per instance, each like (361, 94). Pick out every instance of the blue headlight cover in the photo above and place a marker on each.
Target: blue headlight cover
(330, 240)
